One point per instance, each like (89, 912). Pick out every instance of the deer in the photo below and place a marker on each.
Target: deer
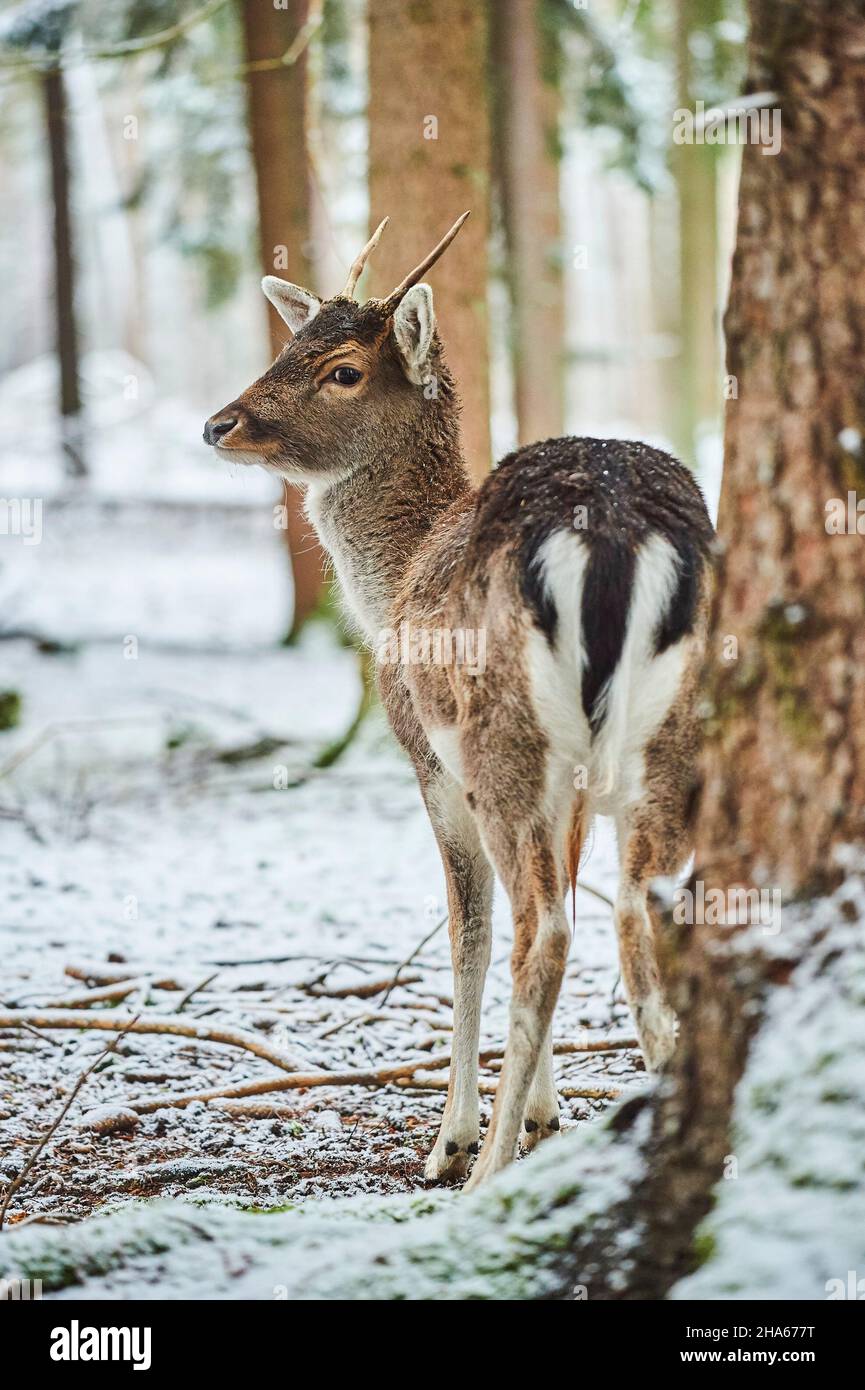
(586, 565)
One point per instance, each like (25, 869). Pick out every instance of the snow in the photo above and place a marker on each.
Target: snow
(789, 1219)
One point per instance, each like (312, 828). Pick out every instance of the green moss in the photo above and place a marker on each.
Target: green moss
(10, 709)
(705, 1245)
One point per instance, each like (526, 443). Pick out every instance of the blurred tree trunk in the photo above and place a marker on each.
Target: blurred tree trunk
(694, 167)
(526, 142)
(56, 127)
(429, 148)
(277, 99)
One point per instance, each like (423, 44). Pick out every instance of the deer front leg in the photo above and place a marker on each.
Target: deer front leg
(469, 888)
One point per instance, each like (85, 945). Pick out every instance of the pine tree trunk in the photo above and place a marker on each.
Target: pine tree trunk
(54, 98)
(429, 149)
(526, 139)
(790, 709)
(277, 100)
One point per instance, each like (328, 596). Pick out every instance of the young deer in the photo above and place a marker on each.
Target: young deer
(583, 565)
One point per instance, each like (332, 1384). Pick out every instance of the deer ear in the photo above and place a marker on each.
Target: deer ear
(295, 306)
(413, 325)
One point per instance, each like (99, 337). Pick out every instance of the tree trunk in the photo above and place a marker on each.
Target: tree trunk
(784, 762)
(429, 150)
(699, 378)
(54, 99)
(791, 707)
(277, 99)
(527, 164)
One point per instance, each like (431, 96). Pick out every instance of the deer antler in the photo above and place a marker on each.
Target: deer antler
(419, 271)
(360, 261)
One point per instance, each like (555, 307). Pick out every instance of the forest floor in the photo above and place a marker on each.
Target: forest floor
(144, 840)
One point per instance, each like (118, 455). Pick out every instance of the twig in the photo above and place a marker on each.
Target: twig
(16, 1183)
(61, 726)
(595, 892)
(190, 993)
(409, 960)
(151, 1023)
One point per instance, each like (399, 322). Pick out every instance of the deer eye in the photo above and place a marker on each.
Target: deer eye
(346, 376)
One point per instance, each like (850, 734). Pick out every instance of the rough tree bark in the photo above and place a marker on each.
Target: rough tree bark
(429, 151)
(526, 139)
(277, 101)
(54, 100)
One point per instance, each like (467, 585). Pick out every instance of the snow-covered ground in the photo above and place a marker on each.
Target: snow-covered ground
(131, 845)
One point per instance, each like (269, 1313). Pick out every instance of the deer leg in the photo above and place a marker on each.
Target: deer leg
(469, 888)
(542, 938)
(542, 1107)
(654, 1019)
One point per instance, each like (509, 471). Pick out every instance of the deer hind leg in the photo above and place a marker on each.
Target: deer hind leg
(643, 857)
(541, 1119)
(469, 887)
(531, 870)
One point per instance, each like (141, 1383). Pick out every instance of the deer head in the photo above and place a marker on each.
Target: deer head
(348, 384)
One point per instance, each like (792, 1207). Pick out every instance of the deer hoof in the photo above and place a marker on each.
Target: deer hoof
(449, 1161)
(535, 1131)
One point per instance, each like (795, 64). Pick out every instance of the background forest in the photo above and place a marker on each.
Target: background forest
(226, 967)
(182, 149)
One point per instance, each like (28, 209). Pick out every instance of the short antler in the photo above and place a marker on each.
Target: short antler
(360, 261)
(420, 271)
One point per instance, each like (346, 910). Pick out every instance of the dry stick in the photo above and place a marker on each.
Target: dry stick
(102, 975)
(16, 1183)
(153, 1023)
(409, 960)
(108, 994)
(364, 991)
(386, 1076)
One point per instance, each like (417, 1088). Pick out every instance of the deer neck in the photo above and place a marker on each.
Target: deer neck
(375, 520)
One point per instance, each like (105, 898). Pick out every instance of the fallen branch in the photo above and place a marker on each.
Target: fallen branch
(403, 1075)
(103, 975)
(359, 991)
(107, 994)
(153, 1023)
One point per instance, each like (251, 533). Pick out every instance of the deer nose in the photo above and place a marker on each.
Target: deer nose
(218, 426)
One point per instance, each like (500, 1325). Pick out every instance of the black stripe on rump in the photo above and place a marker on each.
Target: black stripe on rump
(678, 620)
(607, 587)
